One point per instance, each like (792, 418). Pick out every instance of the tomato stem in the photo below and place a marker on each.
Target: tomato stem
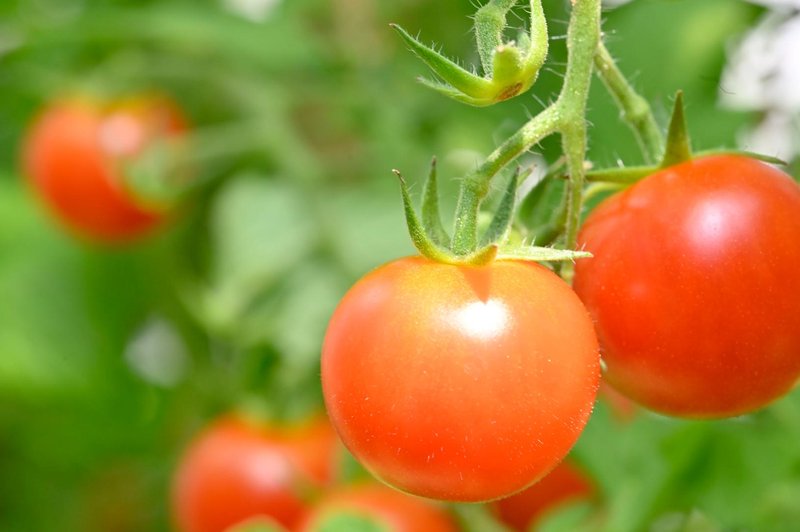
(475, 186)
(635, 109)
(566, 116)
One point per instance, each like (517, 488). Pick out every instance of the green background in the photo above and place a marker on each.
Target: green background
(112, 358)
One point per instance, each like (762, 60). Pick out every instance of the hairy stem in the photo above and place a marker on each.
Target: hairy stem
(635, 109)
(583, 37)
(475, 186)
(490, 21)
(566, 116)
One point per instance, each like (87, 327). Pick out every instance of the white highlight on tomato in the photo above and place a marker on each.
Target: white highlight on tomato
(483, 320)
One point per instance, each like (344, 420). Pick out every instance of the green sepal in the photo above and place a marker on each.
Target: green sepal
(540, 254)
(450, 92)
(461, 79)
(426, 245)
(422, 241)
(431, 218)
(678, 148)
(626, 175)
(501, 222)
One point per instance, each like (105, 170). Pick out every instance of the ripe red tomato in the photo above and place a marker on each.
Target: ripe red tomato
(564, 484)
(395, 511)
(236, 470)
(695, 287)
(73, 157)
(463, 383)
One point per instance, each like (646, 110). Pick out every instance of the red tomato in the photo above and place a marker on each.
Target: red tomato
(395, 511)
(236, 470)
(695, 287)
(563, 485)
(73, 156)
(463, 383)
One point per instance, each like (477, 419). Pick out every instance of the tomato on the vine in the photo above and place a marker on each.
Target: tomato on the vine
(463, 383)
(390, 509)
(565, 484)
(236, 470)
(695, 286)
(74, 156)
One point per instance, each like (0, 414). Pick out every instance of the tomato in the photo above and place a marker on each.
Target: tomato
(392, 510)
(236, 470)
(463, 383)
(695, 287)
(563, 485)
(73, 157)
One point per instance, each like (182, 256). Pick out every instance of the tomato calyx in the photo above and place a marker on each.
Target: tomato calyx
(677, 150)
(510, 68)
(432, 240)
(158, 176)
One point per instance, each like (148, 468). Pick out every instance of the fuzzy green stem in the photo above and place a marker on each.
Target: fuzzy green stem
(635, 109)
(583, 37)
(475, 186)
(490, 21)
(567, 116)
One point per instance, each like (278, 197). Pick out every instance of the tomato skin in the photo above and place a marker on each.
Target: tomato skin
(463, 383)
(73, 154)
(396, 511)
(236, 470)
(695, 288)
(565, 484)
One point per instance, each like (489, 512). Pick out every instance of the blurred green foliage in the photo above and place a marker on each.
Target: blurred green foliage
(110, 359)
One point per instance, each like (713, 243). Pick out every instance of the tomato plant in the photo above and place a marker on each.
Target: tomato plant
(565, 484)
(74, 156)
(694, 286)
(463, 383)
(236, 469)
(388, 509)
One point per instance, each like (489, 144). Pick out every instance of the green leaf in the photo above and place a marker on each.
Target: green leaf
(260, 231)
(431, 217)
(678, 147)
